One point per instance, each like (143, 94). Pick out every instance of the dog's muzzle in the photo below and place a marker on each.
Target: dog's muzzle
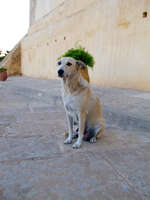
(60, 72)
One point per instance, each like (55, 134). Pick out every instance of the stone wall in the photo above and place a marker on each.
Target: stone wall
(116, 32)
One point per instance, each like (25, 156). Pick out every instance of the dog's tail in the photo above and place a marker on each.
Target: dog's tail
(101, 130)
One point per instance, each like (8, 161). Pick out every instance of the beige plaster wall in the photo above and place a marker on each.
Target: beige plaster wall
(114, 31)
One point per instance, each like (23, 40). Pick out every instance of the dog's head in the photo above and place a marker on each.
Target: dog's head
(68, 66)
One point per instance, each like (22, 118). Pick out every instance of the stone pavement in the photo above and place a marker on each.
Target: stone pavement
(36, 165)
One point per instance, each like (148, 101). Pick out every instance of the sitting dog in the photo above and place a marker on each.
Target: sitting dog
(81, 105)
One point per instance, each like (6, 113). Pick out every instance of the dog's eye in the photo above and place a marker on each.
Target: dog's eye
(59, 63)
(69, 64)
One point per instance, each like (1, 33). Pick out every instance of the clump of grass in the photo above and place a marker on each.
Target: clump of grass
(3, 54)
(3, 69)
(81, 54)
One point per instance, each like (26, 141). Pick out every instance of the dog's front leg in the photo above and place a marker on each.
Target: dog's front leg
(70, 127)
(81, 118)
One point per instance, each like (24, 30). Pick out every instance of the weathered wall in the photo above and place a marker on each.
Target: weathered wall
(114, 31)
(39, 9)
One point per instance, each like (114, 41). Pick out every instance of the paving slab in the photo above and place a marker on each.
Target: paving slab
(36, 165)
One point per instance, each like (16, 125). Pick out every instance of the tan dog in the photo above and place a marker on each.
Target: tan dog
(81, 105)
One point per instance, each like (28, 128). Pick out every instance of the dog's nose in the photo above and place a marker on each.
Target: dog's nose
(60, 72)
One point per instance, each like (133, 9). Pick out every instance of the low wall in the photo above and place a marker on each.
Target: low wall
(13, 61)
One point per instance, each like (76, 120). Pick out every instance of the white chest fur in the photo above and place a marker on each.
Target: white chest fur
(71, 103)
(77, 100)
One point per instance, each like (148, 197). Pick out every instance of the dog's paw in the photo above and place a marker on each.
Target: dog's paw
(76, 145)
(68, 141)
(93, 140)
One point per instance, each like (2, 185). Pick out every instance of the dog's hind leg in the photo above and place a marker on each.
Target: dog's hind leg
(96, 132)
(93, 133)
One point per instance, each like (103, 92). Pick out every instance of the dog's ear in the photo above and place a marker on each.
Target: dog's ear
(80, 64)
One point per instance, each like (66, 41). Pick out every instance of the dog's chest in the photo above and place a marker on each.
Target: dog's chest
(72, 105)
